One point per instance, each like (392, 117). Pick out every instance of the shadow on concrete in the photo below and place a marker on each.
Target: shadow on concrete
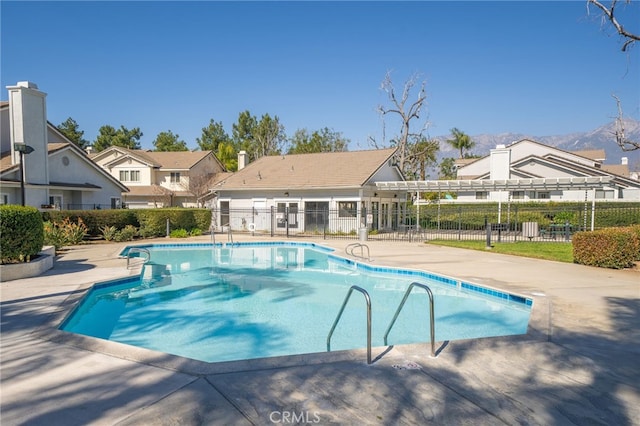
(62, 266)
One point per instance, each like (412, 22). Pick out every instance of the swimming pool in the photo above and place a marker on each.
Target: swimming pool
(253, 300)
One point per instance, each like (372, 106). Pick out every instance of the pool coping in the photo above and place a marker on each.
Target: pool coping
(539, 329)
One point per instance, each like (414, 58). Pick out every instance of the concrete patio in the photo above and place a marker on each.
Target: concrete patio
(579, 364)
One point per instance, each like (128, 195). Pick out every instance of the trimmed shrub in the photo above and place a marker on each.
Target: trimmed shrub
(195, 232)
(153, 222)
(202, 218)
(615, 248)
(21, 233)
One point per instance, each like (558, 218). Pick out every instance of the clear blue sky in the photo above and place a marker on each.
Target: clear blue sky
(538, 68)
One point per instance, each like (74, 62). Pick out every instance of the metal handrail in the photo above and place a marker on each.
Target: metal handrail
(229, 234)
(346, 299)
(431, 310)
(351, 247)
(137, 250)
(213, 236)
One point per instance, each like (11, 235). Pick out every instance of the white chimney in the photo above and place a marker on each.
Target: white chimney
(89, 149)
(500, 163)
(28, 126)
(242, 160)
(625, 161)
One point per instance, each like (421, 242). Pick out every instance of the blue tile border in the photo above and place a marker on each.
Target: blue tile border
(227, 245)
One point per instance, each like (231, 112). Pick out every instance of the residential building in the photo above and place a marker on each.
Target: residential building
(529, 161)
(310, 192)
(161, 179)
(56, 172)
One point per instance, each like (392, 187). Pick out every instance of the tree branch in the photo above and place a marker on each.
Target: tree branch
(624, 143)
(609, 13)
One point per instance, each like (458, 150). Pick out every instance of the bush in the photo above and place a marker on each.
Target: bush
(60, 234)
(54, 235)
(202, 218)
(195, 232)
(153, 222)
(615, 248)
(21, 233)
(179, 233)
(74, 232)
(109, 232)
(127, 233)
(95, 220)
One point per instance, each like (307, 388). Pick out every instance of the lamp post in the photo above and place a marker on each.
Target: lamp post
(23, 149)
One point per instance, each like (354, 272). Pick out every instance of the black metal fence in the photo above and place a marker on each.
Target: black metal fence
(89, 207)
(506, 222)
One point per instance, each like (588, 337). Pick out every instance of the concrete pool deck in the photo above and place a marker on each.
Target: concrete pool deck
(579, 364)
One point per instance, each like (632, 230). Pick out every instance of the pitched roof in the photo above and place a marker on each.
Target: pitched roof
(178, 160)
(53, 147)
(593, 154)
(319, 170)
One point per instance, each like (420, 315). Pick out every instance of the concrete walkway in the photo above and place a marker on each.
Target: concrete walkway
(579, 364)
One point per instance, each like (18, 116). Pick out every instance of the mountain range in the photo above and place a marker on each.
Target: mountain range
(599, 138)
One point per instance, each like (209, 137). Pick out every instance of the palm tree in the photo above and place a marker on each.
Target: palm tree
(461, 141)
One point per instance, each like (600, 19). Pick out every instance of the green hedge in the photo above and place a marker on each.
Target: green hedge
(21, 233)
(154, 222)
(472, 216)
(615, 248)
(95, 219)
(150, 222)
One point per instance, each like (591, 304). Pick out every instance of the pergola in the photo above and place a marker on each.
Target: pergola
(562, 183)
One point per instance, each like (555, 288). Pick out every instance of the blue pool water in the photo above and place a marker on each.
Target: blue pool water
(216, 303)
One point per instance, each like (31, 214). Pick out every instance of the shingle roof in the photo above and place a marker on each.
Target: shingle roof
(320, 170)
(149, 190)
(5, 161)
(593, 154)
(182, 160)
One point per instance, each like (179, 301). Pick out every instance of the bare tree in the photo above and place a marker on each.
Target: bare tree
(199, 185)
(407, 113)
(609, 14)
(619, 133)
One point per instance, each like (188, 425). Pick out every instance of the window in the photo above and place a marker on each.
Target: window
(542, 195)
(224, 213)
(129, 175)
(482, 195)
(517, 195)
(4, 199)
(175, 177)
(56, 201)
(115, 203)
(347, 209)
(601, 194)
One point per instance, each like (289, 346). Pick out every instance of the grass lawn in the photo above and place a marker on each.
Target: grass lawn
(559, 251)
